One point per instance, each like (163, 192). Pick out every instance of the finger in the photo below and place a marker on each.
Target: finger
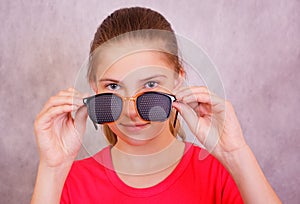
(195, 95)
(192, 95)
(65, 97)
(56, 101)
(193, 89)
(204, 109)
(69, 92)
(80, 119)
(45, 120)
(63, 100)
(200, 127)
(190, 116)
(200, 97)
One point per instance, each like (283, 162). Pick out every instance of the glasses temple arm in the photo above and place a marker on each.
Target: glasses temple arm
(175, 120)
(96, 127)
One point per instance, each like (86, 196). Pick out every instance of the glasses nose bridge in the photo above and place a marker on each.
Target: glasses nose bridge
(129, 98)
(129, 101)
(129, 107)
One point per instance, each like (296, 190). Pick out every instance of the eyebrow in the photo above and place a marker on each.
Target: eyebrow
(152, 77)
(142, 80)
(107, 79)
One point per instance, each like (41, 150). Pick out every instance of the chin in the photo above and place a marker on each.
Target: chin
(137, 139)
(139, 136)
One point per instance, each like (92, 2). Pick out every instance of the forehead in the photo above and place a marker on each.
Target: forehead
(138, 66)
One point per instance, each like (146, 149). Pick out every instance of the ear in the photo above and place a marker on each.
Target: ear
(180, 78)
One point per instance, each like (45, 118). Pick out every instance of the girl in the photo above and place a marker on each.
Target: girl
(137, 101)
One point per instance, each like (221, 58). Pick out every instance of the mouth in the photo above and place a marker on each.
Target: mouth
(135, 126)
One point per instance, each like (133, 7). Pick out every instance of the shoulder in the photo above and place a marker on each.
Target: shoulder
(86, 178)
(203, 163)
(91, 166)
(210, 176)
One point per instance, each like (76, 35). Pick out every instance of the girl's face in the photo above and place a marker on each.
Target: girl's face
(133, 74)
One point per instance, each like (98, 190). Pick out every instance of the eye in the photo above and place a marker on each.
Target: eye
(112, 87)
(151, 84)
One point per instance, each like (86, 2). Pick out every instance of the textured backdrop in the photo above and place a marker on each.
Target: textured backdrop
(255, 45)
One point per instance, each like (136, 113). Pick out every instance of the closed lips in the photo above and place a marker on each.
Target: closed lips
(134, 125)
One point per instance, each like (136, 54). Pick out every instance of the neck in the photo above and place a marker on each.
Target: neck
(152, 156)
(133, 164)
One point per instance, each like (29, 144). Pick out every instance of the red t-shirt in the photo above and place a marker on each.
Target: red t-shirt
(193, 180)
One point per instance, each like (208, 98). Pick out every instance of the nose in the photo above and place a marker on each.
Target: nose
(129, 108)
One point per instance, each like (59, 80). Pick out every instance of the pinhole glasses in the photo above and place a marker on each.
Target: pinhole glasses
(150, 106)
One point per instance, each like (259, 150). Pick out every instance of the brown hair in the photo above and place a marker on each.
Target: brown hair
(127, 20)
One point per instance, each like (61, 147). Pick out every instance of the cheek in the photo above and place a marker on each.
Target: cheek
(114, 128)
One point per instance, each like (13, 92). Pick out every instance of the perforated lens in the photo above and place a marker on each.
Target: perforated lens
(154, 106)
(104, 108)
(107, 107)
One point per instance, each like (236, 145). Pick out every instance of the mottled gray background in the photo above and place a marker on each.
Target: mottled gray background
(255, 45)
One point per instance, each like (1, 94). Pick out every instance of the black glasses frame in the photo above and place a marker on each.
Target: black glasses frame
(87, 100)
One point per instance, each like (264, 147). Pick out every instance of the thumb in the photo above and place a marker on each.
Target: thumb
(206, 134)
(189, 115)
(80, 119)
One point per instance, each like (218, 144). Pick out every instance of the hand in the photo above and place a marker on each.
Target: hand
(211, 119)
(58, 135)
